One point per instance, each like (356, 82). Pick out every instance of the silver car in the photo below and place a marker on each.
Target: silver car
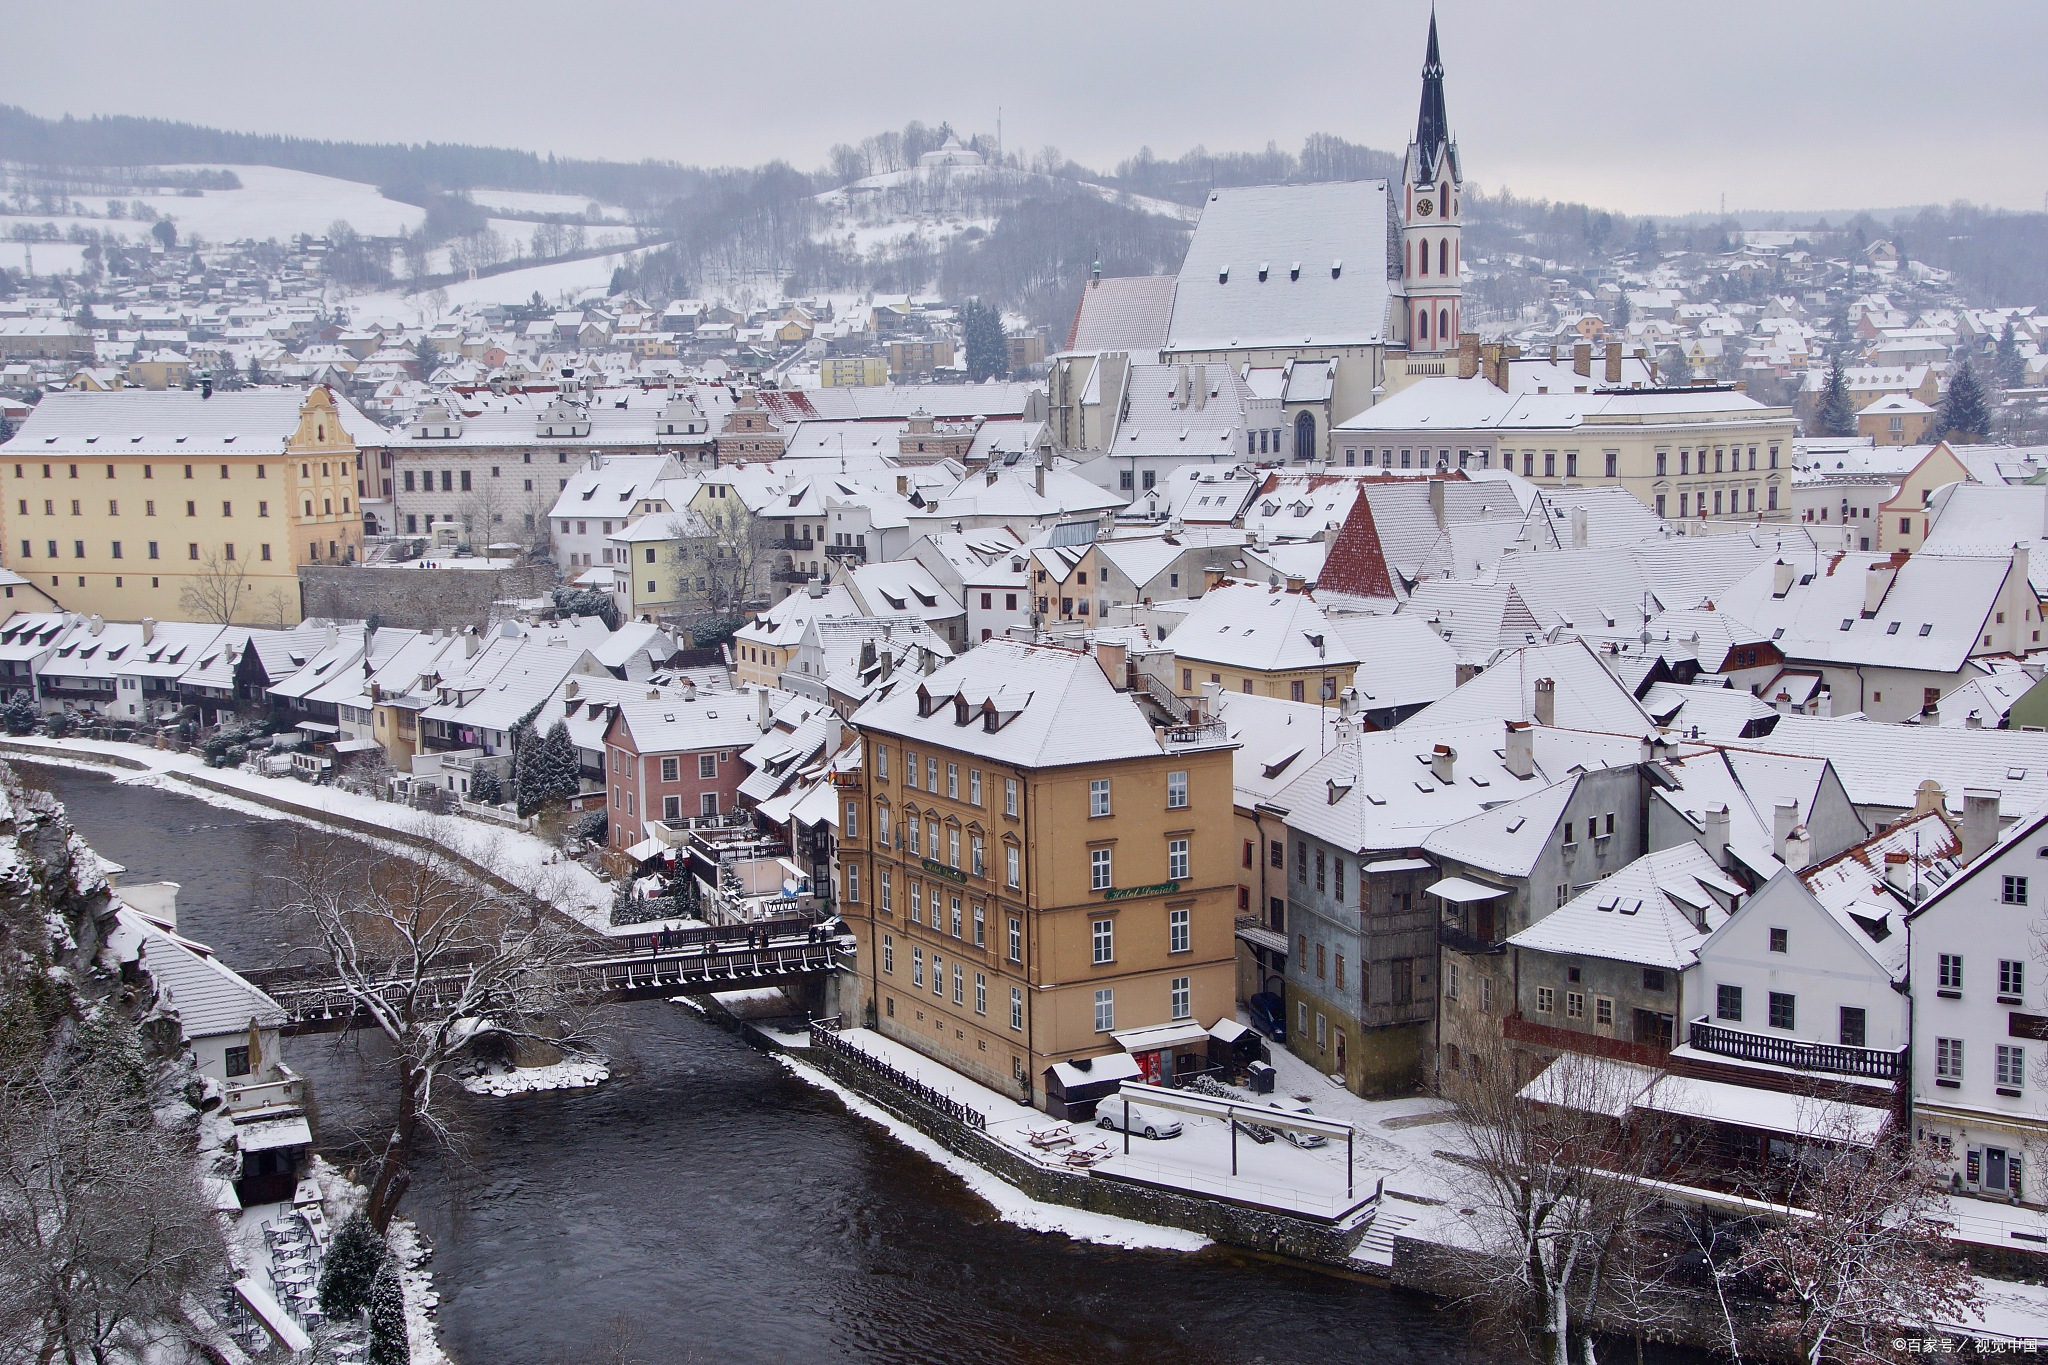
(1299, 1139)
(1148, 1123)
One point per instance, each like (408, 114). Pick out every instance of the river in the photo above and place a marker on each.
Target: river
(705, 1205)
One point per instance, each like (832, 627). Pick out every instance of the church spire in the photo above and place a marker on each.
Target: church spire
(1432, 125)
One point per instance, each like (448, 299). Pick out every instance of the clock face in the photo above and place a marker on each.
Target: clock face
(1424, 207)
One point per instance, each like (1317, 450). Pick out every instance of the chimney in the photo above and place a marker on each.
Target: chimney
(1521, 749)
(148, 629)
(763, 714)
(1781, 578)
(1038, 479)
(1296, 583)
(1442, 763)
(1716, 837)
(570, 689)
(1784, 820)
(1436, 502)
(1614, 362)
(95, 623)
(1798, 849)
(1980, 821)
(1213, 579)
(902, 485)
(1181, 397)
(1973, 721)
(1877, 581)
(1546, 702)
(1578, 528)
(1468, 355)
(1582, 359)
(1200, 377)
(1899, 872)
(834, 732)
(1463, 674)
(1110, 658)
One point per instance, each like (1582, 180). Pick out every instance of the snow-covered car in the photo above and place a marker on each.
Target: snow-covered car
(1148, 1123)
(1297, 1138)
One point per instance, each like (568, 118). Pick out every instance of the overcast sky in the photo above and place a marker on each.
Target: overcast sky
(1659, 107)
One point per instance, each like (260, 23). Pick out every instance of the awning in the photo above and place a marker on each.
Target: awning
(645, 849)
(1390, 865)
(1259, 937)
(1163, 1036)
(1460, 890)
(266, 1134)
(1770, 1111)
(314, 727)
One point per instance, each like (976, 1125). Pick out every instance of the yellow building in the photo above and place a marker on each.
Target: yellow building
(1251, 638)
(1039, 867)
(852, 371)
(1903, 520)
(176, 505)
(1895, 420)
(159, 369)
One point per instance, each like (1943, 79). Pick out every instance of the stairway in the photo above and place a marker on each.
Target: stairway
(1377, 1246)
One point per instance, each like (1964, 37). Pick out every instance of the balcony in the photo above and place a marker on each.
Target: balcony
(856, 552)
(1458, 937)
(790, 574)
(1833, 1058)
(792, 543)
(1196, 735)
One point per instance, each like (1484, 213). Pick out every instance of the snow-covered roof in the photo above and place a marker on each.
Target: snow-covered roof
(1322, 250)
(1656, 911)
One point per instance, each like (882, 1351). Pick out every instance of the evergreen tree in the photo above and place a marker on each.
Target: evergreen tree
(988, 350)
(564, 778)
(484, 787)
(1836, 416)
(351, 1268)
(527, 793)
(255, 371)
(1963, 411)
(429, 358)
(1673, 368)
(2011, 366)
(388, 1340)
(19, 716)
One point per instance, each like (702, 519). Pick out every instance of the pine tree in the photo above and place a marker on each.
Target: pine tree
(388, 1340)
(484, 788)
(350, 1269)
(255, 371)
(1964, 411)
(527, 793)
(564, 778)
(988, 350)
(19, 716)
(1836, 416)
(2011, 366)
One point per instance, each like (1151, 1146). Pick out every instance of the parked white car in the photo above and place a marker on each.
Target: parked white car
(1148, 1123)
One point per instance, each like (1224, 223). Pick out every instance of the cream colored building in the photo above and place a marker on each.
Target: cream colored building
(1037, 864)
(136, 504)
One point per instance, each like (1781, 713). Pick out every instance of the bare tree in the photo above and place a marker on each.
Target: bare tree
(1861, 1254)
(215, 593)
(434, 962)
(104, 1232)
(1568, 1228)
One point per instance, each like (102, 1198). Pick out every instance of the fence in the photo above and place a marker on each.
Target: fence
(1838, 1058)
(823, 1035)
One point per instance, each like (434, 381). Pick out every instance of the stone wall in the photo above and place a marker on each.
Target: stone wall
(416, 598)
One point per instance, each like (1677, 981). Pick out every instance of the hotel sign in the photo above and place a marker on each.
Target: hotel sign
(1118, 893)
(934, 865)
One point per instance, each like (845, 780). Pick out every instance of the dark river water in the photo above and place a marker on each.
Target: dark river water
(704, 1205)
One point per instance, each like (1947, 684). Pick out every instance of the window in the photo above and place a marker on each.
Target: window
(853, 883)
(2010, 1066)
(1546, 999)
(1728, 1003)
(1098, 797)
(671, 769)
(1010, 797)
(1574, 1005)
(852, 828)
(1105, 1010)
(2014, 891)
(1177, 936)
(1854, 1026)
(238, 1061)
(1301, 861)
(1176, 860)
(1451, 975)
(1176, 791)
(671, 807)
(974, 786)
(980, 993)
(1105, 941)
(1319, 962)
(953, 781)
(931, 775)
(959, 984)
(1016, 939)
(1098, 869)
(956, 916)
(1322, 1031)
(913, 841)
(1183, 997)
(979, 855)
(707, 766)
(1951, 972)
(909, 768)
(980, 926)
(1017, 1008)
(1948, 1059)
(1603, 1011)
(885, 889)
(1012, 856)
(1276, 855)
(1653, 979)
(881, 763)
(1783, 1014)
(917, 966)
(1778, 937)
(2012, 980)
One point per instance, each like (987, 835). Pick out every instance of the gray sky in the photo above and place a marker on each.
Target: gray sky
(1655, 107)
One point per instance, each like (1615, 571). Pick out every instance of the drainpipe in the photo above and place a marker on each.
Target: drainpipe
(1030, 943)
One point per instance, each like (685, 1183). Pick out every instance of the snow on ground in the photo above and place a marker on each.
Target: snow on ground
(552, 282)
(1010, 1203)
(530, 863)
(48, 258)
(537, 202)
(574, 1073)
(273, 202)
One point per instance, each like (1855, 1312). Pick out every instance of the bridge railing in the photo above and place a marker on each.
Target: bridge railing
(823, 1035)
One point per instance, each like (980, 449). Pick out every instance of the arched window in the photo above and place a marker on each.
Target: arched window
(1443, 324)
(1424, 254)
(1305, 436)
(1421, 325)
(1443, 256)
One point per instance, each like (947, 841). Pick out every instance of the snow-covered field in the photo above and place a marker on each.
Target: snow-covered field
(48, 258)
(554, 282)
(534, 202)
(273, 202)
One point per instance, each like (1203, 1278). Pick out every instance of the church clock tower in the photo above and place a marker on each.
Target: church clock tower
(1432, 208)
